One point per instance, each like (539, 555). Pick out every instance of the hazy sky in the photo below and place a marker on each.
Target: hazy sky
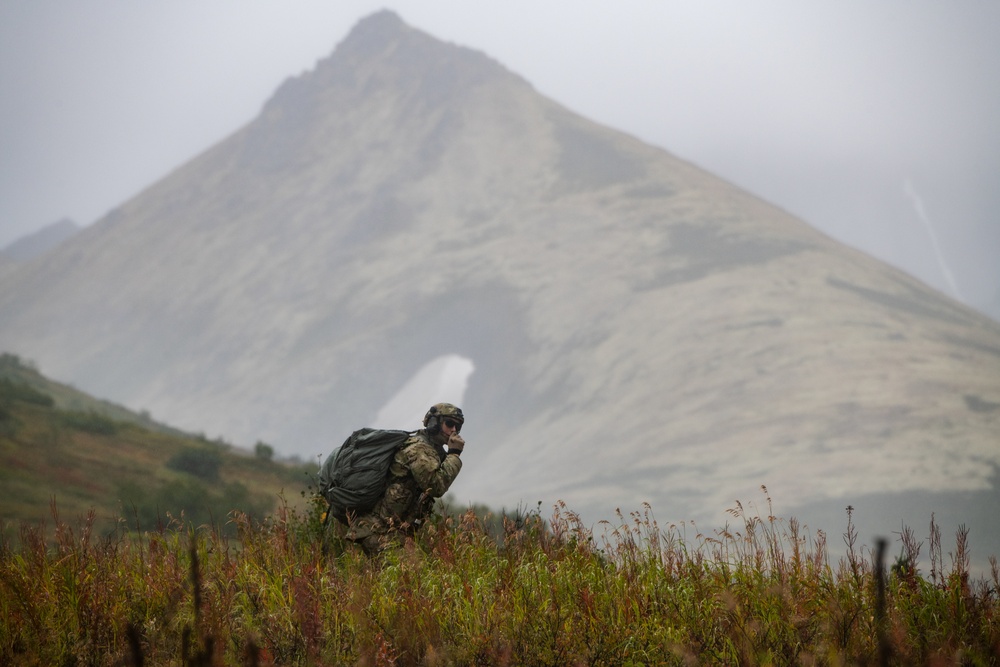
(877, 122)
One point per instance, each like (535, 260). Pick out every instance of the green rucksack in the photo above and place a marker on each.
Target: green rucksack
(355, 475)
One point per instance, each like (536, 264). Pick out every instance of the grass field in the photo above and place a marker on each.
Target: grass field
(470, 590)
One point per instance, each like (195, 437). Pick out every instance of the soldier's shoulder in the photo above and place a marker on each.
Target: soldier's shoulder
(417, 445)
(416, 441)
(417, 438)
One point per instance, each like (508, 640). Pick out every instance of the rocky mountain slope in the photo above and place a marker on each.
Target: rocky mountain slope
(640, 329)
(42, 241)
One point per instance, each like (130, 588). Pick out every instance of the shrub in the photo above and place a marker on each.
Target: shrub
(263, 451)
(89, 422)
(202, 462)
(190, 503)
(23, 392)
(8, 422)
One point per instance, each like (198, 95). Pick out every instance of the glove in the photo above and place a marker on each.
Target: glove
(456, 444)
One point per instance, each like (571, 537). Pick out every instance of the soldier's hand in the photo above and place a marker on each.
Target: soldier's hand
(455, 444)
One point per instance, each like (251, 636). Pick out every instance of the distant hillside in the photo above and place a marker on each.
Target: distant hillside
(992, 308)
(18, 371)
(62, 449)
(40, 242)
(7, 266)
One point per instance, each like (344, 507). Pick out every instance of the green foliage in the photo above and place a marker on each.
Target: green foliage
(12, 363)
(289, 590)
(202, 462)
(16, 391)
(23, 392)
(89, 422)
(8, 422)
(263, 451)
(32, 387)
(188, 502)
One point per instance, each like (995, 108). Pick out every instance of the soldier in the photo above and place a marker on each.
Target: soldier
(421, 471)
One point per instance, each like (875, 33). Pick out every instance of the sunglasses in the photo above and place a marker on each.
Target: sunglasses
(451, 423)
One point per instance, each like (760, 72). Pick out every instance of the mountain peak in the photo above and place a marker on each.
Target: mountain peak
(384, 79)
(382, 52)
(377, 29)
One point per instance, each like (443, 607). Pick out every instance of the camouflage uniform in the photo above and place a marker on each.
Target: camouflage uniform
(420, 472)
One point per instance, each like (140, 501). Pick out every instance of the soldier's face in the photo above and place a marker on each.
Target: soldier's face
(448, 427)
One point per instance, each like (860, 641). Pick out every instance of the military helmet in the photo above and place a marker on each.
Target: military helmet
(438, 411)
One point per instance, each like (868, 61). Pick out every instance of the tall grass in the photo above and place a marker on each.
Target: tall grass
(290, 591)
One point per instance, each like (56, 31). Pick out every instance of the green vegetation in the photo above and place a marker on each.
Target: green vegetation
(203, 462)
(89, 422)
(19, 391)
(541, 593)
(263, 451)
(86, 456)
(22, 377)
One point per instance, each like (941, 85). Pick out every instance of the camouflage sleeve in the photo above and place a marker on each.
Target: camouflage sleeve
(431, 473)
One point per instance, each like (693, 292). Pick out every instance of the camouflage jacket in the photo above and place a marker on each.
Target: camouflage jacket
(420, 472)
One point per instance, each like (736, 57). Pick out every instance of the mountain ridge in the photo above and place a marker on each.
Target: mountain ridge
(33, 245)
